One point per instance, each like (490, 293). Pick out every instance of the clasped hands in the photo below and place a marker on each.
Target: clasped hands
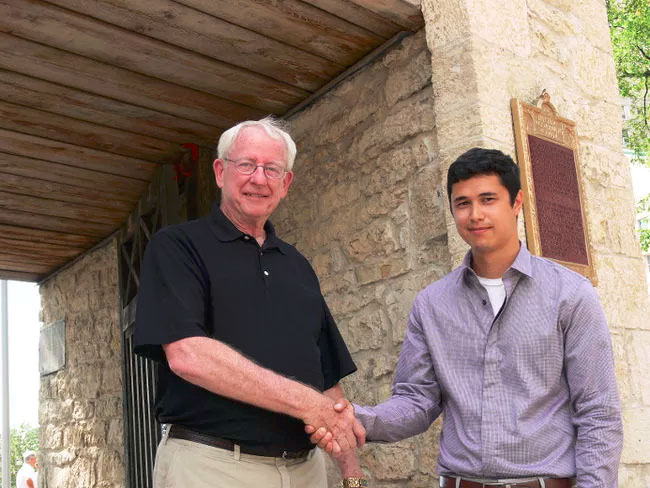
(333, 427)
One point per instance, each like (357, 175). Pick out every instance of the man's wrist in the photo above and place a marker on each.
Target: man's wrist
(355, 482)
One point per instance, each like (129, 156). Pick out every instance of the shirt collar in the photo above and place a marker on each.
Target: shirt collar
(522, 263)
(226, 231)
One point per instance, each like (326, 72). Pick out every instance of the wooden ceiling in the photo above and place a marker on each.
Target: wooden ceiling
(95, 93)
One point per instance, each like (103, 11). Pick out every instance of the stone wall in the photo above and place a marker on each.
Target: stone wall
(80, 413)
(367, 208)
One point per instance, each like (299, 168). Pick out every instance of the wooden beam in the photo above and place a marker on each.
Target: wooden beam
(301, 25)
(121, 187)
(6, 274)
(28, 262)
(82, 157)
(177, 24)
(17, 267)
(85, 134)
(31, 248)
(97, 198)
(57, 66)
(355, 14)
(74, 241)
(45, 206)
(56, 224)
(61, 100)
(66, 30)
(402, 13)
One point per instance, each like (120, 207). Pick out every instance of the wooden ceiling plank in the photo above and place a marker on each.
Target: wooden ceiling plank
(83, 157)
(298, 24)
(86, 134)
(46, 252)
(47, 63)
(74, 241)
(402, 13)
(62, 192)
(177, 24)
(6, 274)
(114, 186)
(16, 267)
(54, 208)
(357, 15)
(55, 223)
(66, 30)
(61, 100)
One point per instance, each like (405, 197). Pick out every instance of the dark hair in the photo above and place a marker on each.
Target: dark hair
(479, 161)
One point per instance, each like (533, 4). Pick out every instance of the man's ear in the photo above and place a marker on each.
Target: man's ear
(218, 166)
(519, 201)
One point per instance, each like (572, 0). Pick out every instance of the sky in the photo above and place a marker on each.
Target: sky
(640, 181)
(24, 379)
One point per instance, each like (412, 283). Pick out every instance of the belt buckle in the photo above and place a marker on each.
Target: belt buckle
(284, 455)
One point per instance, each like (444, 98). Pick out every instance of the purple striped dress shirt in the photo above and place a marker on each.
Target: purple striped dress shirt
(530, 392)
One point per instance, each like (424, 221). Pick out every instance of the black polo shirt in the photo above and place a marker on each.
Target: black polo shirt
(206, 278)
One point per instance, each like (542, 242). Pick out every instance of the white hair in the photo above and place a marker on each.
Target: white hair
(275, 129)
(27, 455)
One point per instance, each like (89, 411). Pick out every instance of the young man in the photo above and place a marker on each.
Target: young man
(511, 348)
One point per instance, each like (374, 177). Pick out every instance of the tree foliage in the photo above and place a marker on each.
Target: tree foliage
(643, 209)
(21, 439)
(629, 22)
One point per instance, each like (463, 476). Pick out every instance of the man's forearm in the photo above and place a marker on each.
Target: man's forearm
(220, 369)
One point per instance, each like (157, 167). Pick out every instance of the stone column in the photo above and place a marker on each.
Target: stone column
(485, 52)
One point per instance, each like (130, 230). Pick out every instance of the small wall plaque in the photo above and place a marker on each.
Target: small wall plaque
(547, 149)
(51, 348)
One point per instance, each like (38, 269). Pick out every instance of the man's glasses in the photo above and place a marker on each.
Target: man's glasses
(246, 167)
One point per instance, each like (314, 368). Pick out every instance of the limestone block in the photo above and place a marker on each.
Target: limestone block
(610, 217)
(623, 292)
(561, 21)
(56, 476)
(357, 386)
(82, 474)
(83, 410)
(546, 42)
(429, 448)
(111, 381)
(598, 121)
(634, 475)
(594, 23)
(51, 437)
(636, 442)
(402, 83)
(380, 239)
(453, 79)
(390, 462)
(384, 365)
(109, 407)
(505, 26)
(620, 346)
(598, 83)
(367, 329)
(60, 458)
(447, 22)
(388, 267)
(604, 166)
(426, 205)
(638, 359)
(407, 119)
(110, 466)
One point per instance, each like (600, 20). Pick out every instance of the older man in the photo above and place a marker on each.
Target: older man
(245, 340)
(26, 476)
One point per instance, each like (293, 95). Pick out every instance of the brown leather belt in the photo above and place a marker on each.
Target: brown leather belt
(179, 432)
(450, 482)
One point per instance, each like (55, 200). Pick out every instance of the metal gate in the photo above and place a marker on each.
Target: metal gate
(161, 206)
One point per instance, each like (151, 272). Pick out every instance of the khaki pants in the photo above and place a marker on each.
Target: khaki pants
(186, 464)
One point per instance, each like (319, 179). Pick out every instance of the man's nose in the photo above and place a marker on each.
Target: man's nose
(259, 176)
(476, 212)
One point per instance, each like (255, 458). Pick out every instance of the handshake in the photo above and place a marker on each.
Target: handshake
(332, 425)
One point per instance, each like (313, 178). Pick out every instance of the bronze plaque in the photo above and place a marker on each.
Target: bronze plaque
(547, 149)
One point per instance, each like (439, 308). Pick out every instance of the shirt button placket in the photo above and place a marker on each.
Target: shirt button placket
(490, 423)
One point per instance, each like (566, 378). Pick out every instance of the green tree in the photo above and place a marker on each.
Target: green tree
(629, 22)
(21, 439)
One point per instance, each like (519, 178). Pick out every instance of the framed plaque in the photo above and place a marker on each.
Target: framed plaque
(547, 150)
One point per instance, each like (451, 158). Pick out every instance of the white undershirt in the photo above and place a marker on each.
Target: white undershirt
(496, 291)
